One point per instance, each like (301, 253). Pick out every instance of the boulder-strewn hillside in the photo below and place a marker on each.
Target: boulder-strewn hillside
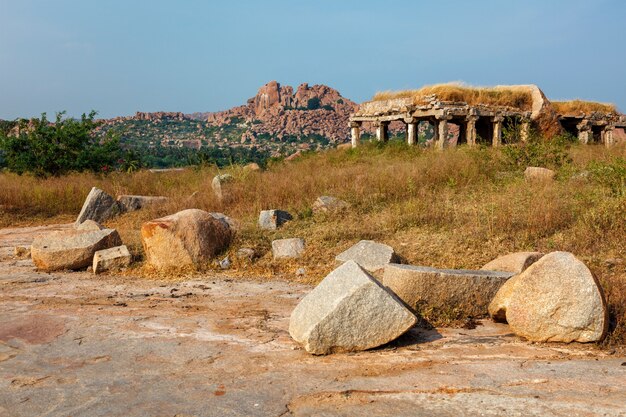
(276, 121)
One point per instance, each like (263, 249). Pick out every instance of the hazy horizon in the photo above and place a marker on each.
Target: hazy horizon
(121, 57)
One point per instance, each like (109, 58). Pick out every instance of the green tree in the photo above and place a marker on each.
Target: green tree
(44, 148)
(313, 103)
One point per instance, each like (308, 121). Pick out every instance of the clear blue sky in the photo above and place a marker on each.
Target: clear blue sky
(122, 56)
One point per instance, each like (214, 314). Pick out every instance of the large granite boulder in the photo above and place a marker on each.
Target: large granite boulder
(459, 292)
(557, 299)
(288, 248)
(71, 249)
(99, 207)
(137, 202)
(187, 238)
(348, 311)
(111, 259)
(513, 262)
(371, 255)
(273, 219)
(89, 225)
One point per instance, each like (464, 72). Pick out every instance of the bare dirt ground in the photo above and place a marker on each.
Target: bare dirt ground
(72, 344)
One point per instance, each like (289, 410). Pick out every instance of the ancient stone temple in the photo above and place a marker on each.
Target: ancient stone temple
(483, 114)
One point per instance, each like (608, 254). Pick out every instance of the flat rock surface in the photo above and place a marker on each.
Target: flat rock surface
(75, 344)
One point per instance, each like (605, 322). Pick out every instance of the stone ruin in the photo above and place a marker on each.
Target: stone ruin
(480, 123)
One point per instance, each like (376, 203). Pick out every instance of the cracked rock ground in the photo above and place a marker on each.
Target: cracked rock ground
(75, 344)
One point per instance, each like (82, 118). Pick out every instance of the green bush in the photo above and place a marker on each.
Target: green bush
(539, 152)
(45, 148)
(610, 174)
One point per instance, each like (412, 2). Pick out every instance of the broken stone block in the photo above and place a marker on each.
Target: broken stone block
(99, 207)
(89, 225)
(21, 252)
(348, 311)
(221, 185)
(557, 299)
(460, 292)
(327, 204)
(111, 259)
(246, 254)
(513, 262)
(137, 202)
(71, 249)
(287, 248)
(371, 255)
(273, 219)
(187, 238)
(538, 174)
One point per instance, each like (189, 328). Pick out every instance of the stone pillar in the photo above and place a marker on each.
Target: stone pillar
(470, 130)
(355, 133)
(525, 130)
(608, 135)
(381, 131)
(411, 131)
(441, 131)
(497, 131)
(585, 134)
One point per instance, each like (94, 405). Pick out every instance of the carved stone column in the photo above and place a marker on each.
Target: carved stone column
(470, 129)
(608, 135)
(525, 130)
(381, 131)
(497, 131)
(441, 131)
(585, 134)
(355, 133)
(411, 130)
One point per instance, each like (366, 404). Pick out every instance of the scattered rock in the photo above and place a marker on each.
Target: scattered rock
(187, 238)
(273, 219)
(464, 292)
(538, 174)
(288, 248)
(348, 311)
(327, 203)
(293, 156)
(300, 272)
(253, 166)
(137, 202)
(557, 299)
(89, 225)
(221, 185)
(370, 255)
(225, 263)
(246, 254)
(98, 206)
(71, 249)
(111, 259)
(21, 252)
(514, 262)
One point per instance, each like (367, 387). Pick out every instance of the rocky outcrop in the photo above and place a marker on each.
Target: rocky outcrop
(71, 249)
(348, 311)
(278, 112)
(463, 293)
(370, 255)
(557, 299)
(187, 238)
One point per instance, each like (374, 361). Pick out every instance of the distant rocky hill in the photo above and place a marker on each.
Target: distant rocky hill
(277, 121)
(277, 112)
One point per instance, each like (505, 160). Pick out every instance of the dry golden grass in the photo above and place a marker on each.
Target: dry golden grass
(580, 106)
(457, 209)
(494, 96)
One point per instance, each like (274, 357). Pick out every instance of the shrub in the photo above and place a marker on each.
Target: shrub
(537, 151)
(610, 174)
(45, 148)
(313, 103)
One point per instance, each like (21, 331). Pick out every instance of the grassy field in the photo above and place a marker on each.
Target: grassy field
(454, 209)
